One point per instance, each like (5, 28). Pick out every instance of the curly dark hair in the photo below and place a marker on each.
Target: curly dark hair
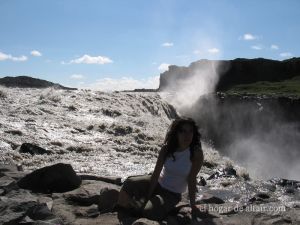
(171, 142)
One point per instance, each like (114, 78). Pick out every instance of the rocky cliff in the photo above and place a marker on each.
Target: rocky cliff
(232, 72)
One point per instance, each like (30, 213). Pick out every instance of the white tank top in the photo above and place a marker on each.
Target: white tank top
(175, 173)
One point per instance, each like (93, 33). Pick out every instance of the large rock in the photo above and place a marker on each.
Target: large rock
(56, 178)
(91, 192)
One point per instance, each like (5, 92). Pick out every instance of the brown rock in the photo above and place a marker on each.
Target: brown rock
(88, 193)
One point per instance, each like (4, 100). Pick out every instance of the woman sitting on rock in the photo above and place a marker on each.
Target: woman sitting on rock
(179, 161)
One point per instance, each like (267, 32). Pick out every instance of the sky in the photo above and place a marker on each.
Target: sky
(126, 44)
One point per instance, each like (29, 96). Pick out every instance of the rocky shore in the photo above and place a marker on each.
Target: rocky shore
(57, 195)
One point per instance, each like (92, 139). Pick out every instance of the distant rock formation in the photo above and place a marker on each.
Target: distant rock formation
(233, 72)
(29, 82)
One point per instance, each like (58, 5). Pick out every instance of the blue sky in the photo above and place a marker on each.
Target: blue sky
(110, 44)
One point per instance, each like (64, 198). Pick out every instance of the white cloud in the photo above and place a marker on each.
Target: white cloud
(213, 50)
(196, 52)
(286, 54)
(168, 44)
(35, 53)
(274, 47)
(87, 59)
(123, 83)
(77, 76)
(21, 58)
(163, 67)
(4, 57)
(249, 37)
(257, 47)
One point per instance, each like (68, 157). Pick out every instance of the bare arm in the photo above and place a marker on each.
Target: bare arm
(196, 166)
(157, 170)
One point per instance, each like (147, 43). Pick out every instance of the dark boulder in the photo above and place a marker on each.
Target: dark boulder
(56, 178)
(32, 149)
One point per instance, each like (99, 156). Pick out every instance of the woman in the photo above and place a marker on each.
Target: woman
(177, 166)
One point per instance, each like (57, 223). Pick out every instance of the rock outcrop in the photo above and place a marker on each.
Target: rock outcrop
(232, 72)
